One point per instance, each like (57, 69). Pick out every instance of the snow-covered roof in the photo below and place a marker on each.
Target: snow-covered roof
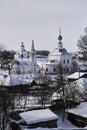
(36, 116)
(53, 77)
(76, 75)
(52, 62)
(41, 61)
(80, 110)
(62, 51)
(18, 79)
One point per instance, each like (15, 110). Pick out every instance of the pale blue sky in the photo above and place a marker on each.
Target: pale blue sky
(39, 20)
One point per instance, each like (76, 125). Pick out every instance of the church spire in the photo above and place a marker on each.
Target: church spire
(32, 47)
(33, 53)
(60, 46)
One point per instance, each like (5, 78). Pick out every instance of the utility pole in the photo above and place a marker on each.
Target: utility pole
(62, 86)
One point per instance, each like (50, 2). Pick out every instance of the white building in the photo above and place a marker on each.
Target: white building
(59, 57)
(25, 63)
(33, 54)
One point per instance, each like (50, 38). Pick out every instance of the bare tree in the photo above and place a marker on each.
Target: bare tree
(6, 58)
(74, 67)
(82, 42)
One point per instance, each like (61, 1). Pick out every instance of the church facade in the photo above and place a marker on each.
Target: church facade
(59, 58)
(25, 62)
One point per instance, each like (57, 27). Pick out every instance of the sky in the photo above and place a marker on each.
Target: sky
(40, 20)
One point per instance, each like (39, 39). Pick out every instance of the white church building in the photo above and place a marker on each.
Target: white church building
(59, 57)
(25, 62)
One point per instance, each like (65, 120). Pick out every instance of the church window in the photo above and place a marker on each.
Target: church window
(68, 61)
(54, 69)
(46, 69)
(22, 56)
(64, 61)
(28, 56)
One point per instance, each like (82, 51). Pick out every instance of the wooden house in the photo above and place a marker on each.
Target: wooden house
(78, 115)
(40, 118)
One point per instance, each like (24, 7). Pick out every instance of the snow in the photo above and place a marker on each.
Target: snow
(52, 62)
(83, 67)
(82, 84)
(76, 75)
(17, 79)
(36, 116)
(22, 79)
(80, 110)
(55, 96)
(41, 61)
(40, 128)
(64, 125)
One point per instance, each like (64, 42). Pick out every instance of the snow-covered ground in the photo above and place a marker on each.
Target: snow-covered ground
(82, 84)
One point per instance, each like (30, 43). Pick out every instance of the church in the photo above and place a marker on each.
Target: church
(59, 58)
(25, 62)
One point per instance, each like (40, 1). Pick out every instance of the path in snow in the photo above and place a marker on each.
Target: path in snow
(66, 123)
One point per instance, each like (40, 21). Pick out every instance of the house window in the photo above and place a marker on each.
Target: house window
(51, 83)
(64, 61)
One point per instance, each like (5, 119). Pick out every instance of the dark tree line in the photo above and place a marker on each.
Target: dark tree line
(6, 57)
(82, 44)
(42, 52)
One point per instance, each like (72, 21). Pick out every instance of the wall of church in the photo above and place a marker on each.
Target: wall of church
(51, 69)
(66, 60)
(54, 57)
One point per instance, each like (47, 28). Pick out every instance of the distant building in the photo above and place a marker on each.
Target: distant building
(23, 54)
(59, 57)
(25, 63)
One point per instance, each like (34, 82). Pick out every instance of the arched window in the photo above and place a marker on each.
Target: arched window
(54, 70)
(64, 61)
(68, 61)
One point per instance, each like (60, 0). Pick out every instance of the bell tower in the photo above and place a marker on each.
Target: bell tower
(33, 54)
(60, 45)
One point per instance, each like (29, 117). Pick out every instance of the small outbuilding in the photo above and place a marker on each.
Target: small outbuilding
(40, 118)
(78, 115)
